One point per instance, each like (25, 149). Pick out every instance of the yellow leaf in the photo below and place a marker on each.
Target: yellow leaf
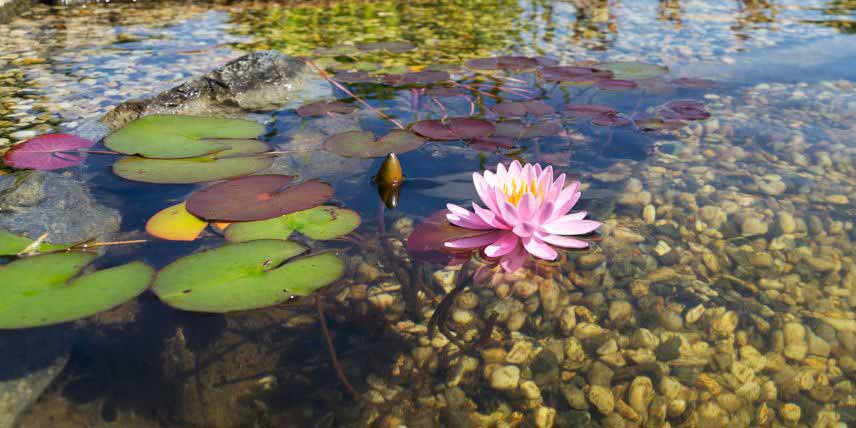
(175, 224)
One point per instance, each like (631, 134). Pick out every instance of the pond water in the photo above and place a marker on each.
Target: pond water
(713, 140)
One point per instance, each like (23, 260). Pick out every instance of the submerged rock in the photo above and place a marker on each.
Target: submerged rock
(36, 202)
(264, 80)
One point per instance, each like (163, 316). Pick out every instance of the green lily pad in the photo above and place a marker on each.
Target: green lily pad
(236, 158)
(630, 70)
(319, 223)
(362, 144)
(173, 137)
(11, 244)
(39, 291)
(243, 276)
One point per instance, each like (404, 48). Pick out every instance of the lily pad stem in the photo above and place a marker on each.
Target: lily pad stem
(332, 350)
(352, 95)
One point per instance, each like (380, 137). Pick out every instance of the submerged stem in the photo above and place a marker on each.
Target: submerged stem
(332, 350)
(325, 75)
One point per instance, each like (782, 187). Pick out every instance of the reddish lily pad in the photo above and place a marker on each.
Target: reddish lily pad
(610, 119)
(362, 144)
(518, 130)
(425, 77)
(588, 110)
(684, 110)
(521, 108)
(428, 240)
(504, 63)
(688, 82)
(353, 77)
(453, 129)
(574, 74)
(616, 84)
(492, 144)
(396, 46)
(257, 197)
(321, 108)
(47, 152)
(658, 124)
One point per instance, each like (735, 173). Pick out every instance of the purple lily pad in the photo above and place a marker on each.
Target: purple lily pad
(544, 61)
(688, 82)
(588, 110)
(453, 129)
(492, 144)
(396, 46)
(616, 84)
(47, 152)
(683, 110)
(504, 63)
(657, 124)
(520, 109)
(362, 144)
(257, 197)
(518, 130)
(428, 240)
(321, 108)
(353, 77)
(610, 119)
(425, 77)
(574, 74)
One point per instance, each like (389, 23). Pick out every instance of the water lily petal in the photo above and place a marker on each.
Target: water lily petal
(513, 260)
(485, 191)
(509, 213)
(462, 217)
(563, 241)
(502, 246)
(556, 187)
(568, 225)
(514, 169)
(545, 213)
(527, 207)
(489, 217)
(474, 241)
(524, 230)
(539, 248)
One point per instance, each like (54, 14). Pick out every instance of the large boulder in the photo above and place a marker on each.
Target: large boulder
(264, 80)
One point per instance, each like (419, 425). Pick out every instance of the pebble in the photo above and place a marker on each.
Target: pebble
(790, 412)
(620, 311)
(505, 378)
(640, 395)
(796, 347)
(649, 214)
(753, 226)
(601, 398)
(545, 417)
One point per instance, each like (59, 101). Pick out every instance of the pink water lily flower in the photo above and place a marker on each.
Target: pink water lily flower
(529, 212)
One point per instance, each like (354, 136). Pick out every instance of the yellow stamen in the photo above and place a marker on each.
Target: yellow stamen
(514, 191)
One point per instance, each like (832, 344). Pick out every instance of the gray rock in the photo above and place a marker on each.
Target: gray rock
(264, 80)
(30, 361)
(37, 202)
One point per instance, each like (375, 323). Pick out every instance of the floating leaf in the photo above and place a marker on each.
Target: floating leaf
(574, 74)
(518, 130)
(445, 91)
(492, 143)
(453, 129)
(362, 144)
(503, 63)
(47, 152)
(616, 84)
(39, 291)
(243, 276)
(192, 170)
(257, 197)
(12, 244)
(321, 108)
(610, 119)
(175, 224)
(353, 77)
(425, 77)
(683, 110)
(393, 46)
(687, 82)
(521, 108)
(657, 124)
(588, 110)
(428, 240)
(319, 223)
(631, 70)
(174, 137)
